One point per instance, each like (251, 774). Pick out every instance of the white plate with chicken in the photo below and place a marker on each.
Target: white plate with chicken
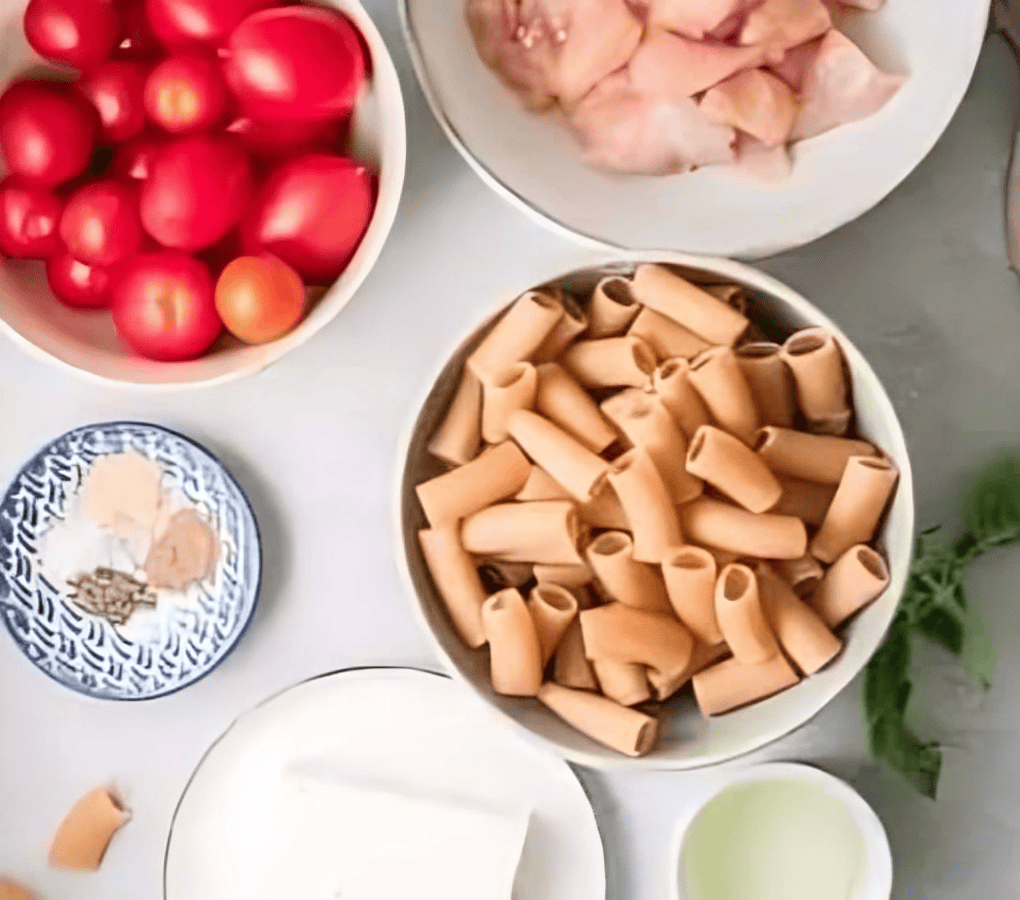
(734, 128)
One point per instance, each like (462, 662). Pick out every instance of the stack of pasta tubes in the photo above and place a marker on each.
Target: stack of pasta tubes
(643, 494)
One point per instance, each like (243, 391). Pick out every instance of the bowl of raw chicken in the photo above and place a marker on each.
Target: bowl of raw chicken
(735, 128)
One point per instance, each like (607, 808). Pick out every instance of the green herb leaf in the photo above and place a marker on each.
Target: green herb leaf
(935, 606)
(991, 511)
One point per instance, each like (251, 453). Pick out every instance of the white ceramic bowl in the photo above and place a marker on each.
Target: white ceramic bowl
(532, 161)
(686, 739)
(87, 343)
(875, 882)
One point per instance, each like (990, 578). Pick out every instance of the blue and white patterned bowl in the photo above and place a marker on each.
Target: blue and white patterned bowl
(84, 652)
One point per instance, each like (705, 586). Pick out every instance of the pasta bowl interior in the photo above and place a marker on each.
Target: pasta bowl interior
(86, 342)
(686, 738)
(533, 162)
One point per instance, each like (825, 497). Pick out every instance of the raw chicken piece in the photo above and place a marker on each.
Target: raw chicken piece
(623, 129)
(691, 18)
(796, 63)
(756, 102)
(779, 24)
(766, 165)
(553, 49)
(673, 66)
(842, 86)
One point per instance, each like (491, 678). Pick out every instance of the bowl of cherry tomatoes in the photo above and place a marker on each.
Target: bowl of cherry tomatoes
(190, 189)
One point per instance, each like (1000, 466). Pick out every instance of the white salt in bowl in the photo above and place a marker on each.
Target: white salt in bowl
(532, 161)
(87, 343)
(686, 739)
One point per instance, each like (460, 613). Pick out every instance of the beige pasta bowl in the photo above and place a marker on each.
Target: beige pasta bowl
(686, 738)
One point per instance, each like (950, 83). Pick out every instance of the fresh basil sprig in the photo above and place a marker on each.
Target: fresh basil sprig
(935, 606)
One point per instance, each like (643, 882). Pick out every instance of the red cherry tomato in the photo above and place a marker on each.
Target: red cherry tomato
(177, 22)
(133, 159)
(47, 131)
(100, 224)
(81, 33)
(137, 39)
(197, 191)
(270, 139)
(163, 306)
(259, 298)
(295, 63)
(312, 213)
(116, 90)
(29, 219)
(77, 284)
(186, 93)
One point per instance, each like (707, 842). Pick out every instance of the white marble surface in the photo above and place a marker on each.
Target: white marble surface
(920, 284)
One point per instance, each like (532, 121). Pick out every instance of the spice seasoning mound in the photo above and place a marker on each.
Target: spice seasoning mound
(111, 594)
(186, 553)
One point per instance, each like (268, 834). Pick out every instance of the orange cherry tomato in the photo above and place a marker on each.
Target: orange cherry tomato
(259, 298)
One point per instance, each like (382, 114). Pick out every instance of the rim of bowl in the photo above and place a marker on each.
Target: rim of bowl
(876, 840)
(256, 595)
(866, 201)
(371, 246)
(759, 281)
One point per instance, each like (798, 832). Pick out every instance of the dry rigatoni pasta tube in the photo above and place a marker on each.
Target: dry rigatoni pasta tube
(573, 323)
(553, 608)
(673, 386)
(618, 727)
(716, 376)
(633, 583)
(730, 684)
(646, 501)
(811, 457)
(455, 574)
(807, 500)
(497, 574)
(851, 583)
(644, 420)
(571, 667)
(611, 362)
(498, 473)
(741, 617)
(83, 837)
(702, 656)
(569, 463)
(619, 632)
(770, 381)
(569, 577)
(612, 308)
(690, 576)
(817, 365)
(626, 683)
(503, 393)
(666, 337)
(539, 531)
(11, 891)
(542, 486)
(604, 510)
(517, 334)
(565, 403)
(837, 425)
(803, 636)
(730, 294)
(723, 557)
(515, 654)
(733, 468)
(855, 511)
(803, 575)
(728, 527)
(460, 435)
(714, 320)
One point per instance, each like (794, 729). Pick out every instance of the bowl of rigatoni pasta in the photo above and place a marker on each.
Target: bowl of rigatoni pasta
(657, 511)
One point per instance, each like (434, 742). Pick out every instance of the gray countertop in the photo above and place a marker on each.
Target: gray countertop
(920, 284)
